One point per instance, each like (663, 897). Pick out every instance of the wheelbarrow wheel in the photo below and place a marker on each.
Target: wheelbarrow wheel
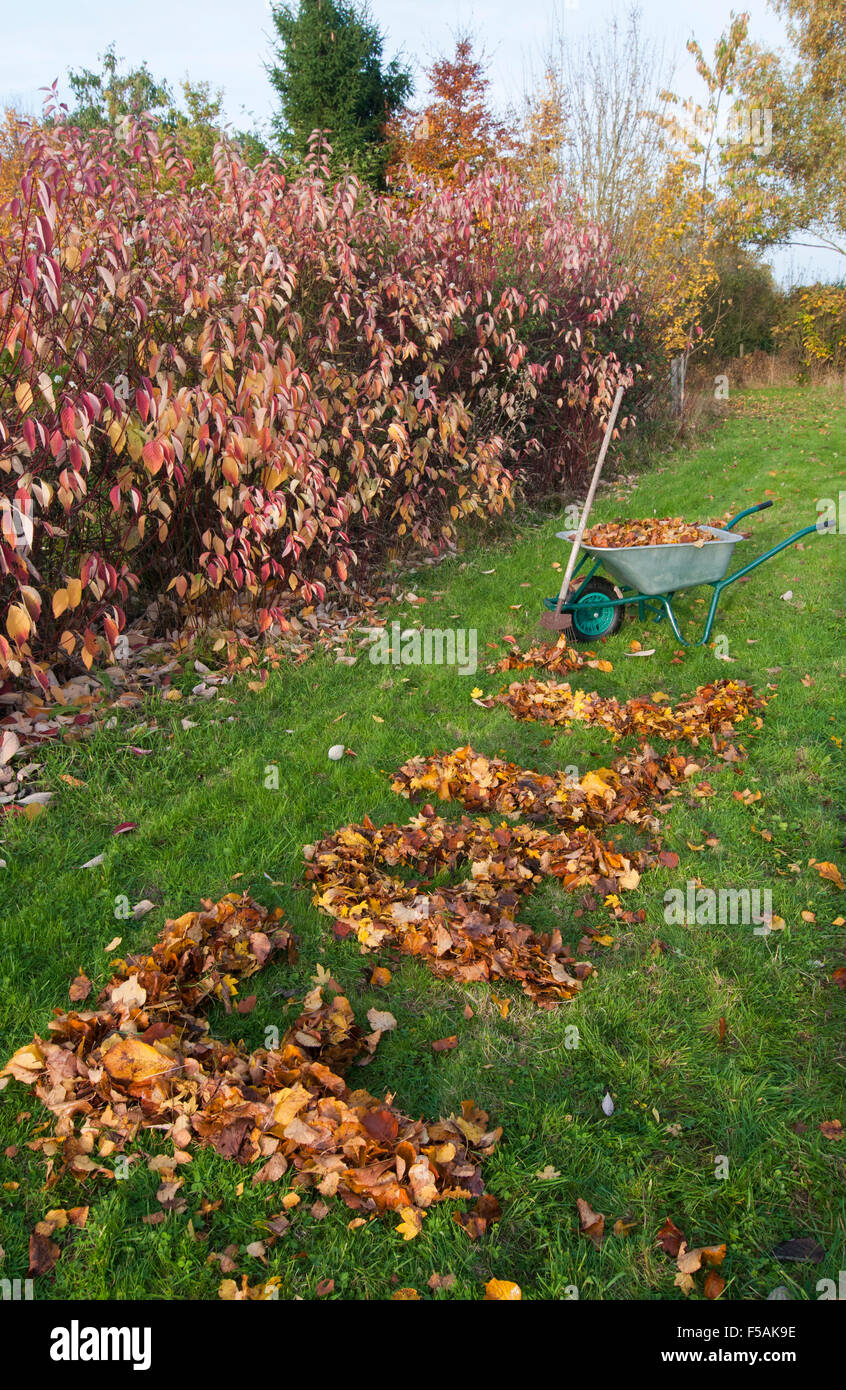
(592, 616)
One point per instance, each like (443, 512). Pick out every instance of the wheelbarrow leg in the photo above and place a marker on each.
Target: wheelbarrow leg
(671, 617)
(712, 612)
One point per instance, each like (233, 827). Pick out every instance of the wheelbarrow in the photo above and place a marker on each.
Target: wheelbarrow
(651, 576)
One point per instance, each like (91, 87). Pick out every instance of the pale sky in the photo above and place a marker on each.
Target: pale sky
(226, 42)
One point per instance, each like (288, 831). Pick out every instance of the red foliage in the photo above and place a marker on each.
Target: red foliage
(263, 383)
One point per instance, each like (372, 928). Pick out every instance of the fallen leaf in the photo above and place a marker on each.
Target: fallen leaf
(804, 1249)
(411, 1224)
(80, 989)
(502, 1291)
(670, 1238)
(591, 1223)
(43, 1254)
(380, 1020)
(830, 872)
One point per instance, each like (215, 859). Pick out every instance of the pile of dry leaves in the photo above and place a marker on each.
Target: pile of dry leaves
(652, 530)
(557, 657)
(144, 1058)
(709, 714)
(466, 931)
(605, 796)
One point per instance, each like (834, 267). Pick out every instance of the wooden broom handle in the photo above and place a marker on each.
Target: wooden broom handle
(571, 563)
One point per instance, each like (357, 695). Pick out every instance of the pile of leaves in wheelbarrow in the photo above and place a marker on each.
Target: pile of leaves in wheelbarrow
(665, 530)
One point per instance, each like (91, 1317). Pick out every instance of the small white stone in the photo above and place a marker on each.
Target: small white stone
(607, 1104)
(336, 752)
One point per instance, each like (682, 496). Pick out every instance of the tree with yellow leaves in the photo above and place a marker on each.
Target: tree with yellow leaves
(685, 217)
(794, 185)
(14, 129)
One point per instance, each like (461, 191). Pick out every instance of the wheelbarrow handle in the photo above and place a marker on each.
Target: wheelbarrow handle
(760, 507)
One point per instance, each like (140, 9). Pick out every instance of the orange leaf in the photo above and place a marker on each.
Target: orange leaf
(502, 1291)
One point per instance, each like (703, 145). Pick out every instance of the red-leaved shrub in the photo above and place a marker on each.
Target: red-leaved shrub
(262, 384)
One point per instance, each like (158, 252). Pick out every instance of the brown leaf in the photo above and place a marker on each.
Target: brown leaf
(43, 1254)
(592, 1223)
(80, 989)
(670, 1238)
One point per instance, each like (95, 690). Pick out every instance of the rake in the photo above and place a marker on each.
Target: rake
(558, 620)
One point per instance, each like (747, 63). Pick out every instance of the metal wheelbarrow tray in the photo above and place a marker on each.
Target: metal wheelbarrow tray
(651, 575)
(657, 569)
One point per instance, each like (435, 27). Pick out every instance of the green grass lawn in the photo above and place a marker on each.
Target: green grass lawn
(647, 1022)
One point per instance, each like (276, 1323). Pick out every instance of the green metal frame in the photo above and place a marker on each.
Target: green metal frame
(659, 606)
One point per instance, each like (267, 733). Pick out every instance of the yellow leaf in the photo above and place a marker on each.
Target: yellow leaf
(18, 623)
(502, 1291)
(23, 396)
(60, 602)
(117, 435)
(74, 592)
(831, 872)
(411, 1224)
